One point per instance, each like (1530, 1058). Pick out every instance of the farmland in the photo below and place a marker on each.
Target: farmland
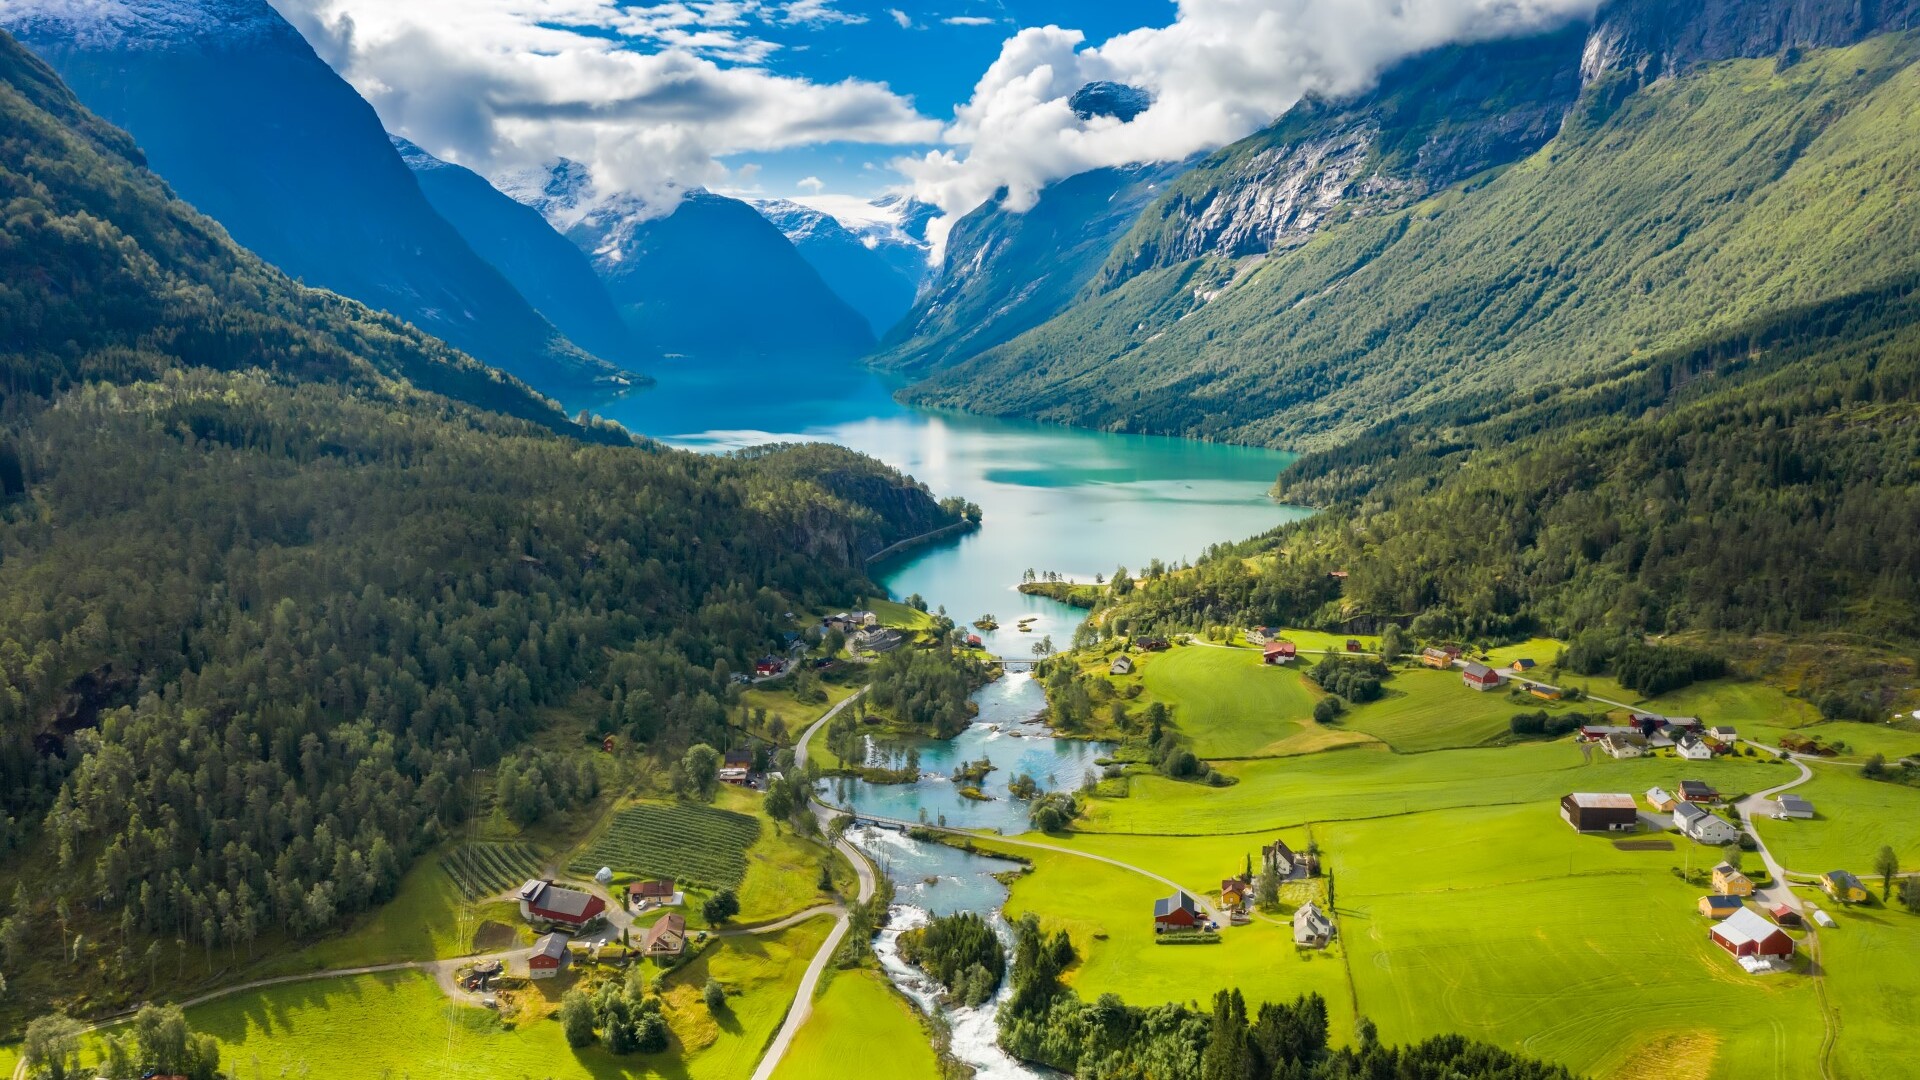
(1854, 818)
(1229, 704)
(859, 1017)
(700, 846)
(1426, 709)
(485, 868)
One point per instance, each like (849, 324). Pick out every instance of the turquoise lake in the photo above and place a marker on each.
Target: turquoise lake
(1062, 499)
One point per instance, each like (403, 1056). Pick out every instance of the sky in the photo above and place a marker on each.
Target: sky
(837, 102)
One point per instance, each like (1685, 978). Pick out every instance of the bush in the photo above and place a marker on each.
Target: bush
(1327, 710)
(715, 995)
(720, 907)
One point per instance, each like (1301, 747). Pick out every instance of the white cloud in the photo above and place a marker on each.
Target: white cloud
(650, 98)
(904, 20)
(968, 20)
(1222, 70)
(812, 184)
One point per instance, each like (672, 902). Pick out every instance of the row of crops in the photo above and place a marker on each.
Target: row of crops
(483, 868)
(698, 846)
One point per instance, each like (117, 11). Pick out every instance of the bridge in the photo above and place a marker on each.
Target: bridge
(1013, 663)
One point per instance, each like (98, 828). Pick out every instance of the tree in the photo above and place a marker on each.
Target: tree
(779, 802)
(51, 1046)
(1887, 865)
(1327, 710)
(715, 996)
(1266, 891)
(576, 1017)
(720, 907)
(1392, 643)
(701, 767)
(1910, 894)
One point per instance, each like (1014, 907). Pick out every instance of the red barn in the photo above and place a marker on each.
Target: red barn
(1746, 933)
(1279, 652)
(1480, 677)
(1176, 912)
(549, 956)
(547, 902)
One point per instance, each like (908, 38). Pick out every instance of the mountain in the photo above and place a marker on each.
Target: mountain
(249, 125)
(1653, 39)
(1112, 99)
(286, 585)
(711, 278)
(851, 266)
(546, 268)
(1008, 271)
(1653, 215)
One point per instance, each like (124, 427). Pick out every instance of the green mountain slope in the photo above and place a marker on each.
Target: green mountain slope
(1696, 203)
(271, 602)
(1763, 480)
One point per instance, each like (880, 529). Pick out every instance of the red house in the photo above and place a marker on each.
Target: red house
(1480, 677)
(546, 902)
(549, 956)
(657, 891)
(1353, 644)
(1746, 933)
(1279, 652)
(1176, 912)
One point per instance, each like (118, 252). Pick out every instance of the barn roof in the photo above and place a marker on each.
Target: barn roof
(1603, 801)
(1179, 901)
(1744, 927)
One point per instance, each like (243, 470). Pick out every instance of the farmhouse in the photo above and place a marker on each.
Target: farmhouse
(1152, 644)
(1723, 733)
(1747, 934)
(1719, 907)
(768, 666)
(1543, 691)
(1596, 732)
(1692, 747)
(1122, 665)
(548, 957)
(1311, 927)
(666, 938)
(1436, 658)
(1698, 791)
(1843, 886)
(1480, 676)
(543, 901)
(660, 891)
(1624, 745)
(1658, 798)
(1793, 806)
(1588, 812)
(1176, 912)
(1279, 652)
(1353, 644)
(1236, 892)
(1729, 881)
(1280, 861)
(1702, 826)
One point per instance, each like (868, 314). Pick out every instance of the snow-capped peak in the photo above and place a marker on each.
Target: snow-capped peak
(144, 24)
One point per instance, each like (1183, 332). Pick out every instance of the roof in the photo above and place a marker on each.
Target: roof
(1605, 802)
(1842, 877)
(1310, 916)
(551, 946)
(1658, 795)
(1724, 901)
(1728, 868)
(557, 900)
(1523, 663)
(531, 890)
(1476, 670)
(1794, 802)
(1689, 812)
(1276, 850)
(666, 924)
(1179, 901)
(662, 887)
(1695, 787)
(1745, 926)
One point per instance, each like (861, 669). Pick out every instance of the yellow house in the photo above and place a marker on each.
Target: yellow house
(1728, 881)
(1236, 893)
(1543, 691)
(1844, 887)
(1719, 907)
(1436, 658)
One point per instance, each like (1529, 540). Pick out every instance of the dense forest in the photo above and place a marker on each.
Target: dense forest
(269, 600)
(1046, 1022)
(1762, 480)
(961, 952)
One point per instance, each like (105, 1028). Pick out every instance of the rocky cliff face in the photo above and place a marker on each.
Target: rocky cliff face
(1432, 121)
(1652, 39)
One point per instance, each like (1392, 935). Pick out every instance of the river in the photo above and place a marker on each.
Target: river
(1076, 502)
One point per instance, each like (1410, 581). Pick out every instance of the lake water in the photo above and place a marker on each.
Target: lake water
(1062, 499)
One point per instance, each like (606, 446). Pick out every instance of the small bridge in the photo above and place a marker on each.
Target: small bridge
(1013, 663)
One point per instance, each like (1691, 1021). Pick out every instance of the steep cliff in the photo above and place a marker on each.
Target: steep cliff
(1651, 39)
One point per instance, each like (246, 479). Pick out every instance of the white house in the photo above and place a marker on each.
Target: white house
(1692, 748)
(1793, 806)
(1624, 746)
(1122, 665)
(1702, 826)
(1311, 927)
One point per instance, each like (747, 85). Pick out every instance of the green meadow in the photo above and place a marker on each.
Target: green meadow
(1855, 818)
(1229, 704)
(1425, 709)
(859, 1023)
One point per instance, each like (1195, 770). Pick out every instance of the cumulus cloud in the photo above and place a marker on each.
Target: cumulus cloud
(650, 98)
(813, 184)
(1222, 70)
(901, 18)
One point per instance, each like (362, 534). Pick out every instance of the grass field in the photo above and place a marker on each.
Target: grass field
(1230, 705)
(398, 1024)
(1872, 977)
(1856, 817)
(1426, 709)
(859, 1018)
(1108, 912)
(1358, 783)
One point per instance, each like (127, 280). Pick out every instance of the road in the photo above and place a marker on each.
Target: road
(802, 1008)
(1778, 892)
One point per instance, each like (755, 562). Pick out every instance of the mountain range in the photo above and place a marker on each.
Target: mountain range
(877, 266)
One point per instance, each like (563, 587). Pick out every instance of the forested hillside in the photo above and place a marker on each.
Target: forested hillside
(269, 597)
(1696, 203)
(1766, 479)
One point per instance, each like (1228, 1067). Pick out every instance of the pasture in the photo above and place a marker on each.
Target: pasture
(1855, 818)
(1108, 912)
(859, 1017)
(1875, 985)
(1425, 709)
(1230, 705)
